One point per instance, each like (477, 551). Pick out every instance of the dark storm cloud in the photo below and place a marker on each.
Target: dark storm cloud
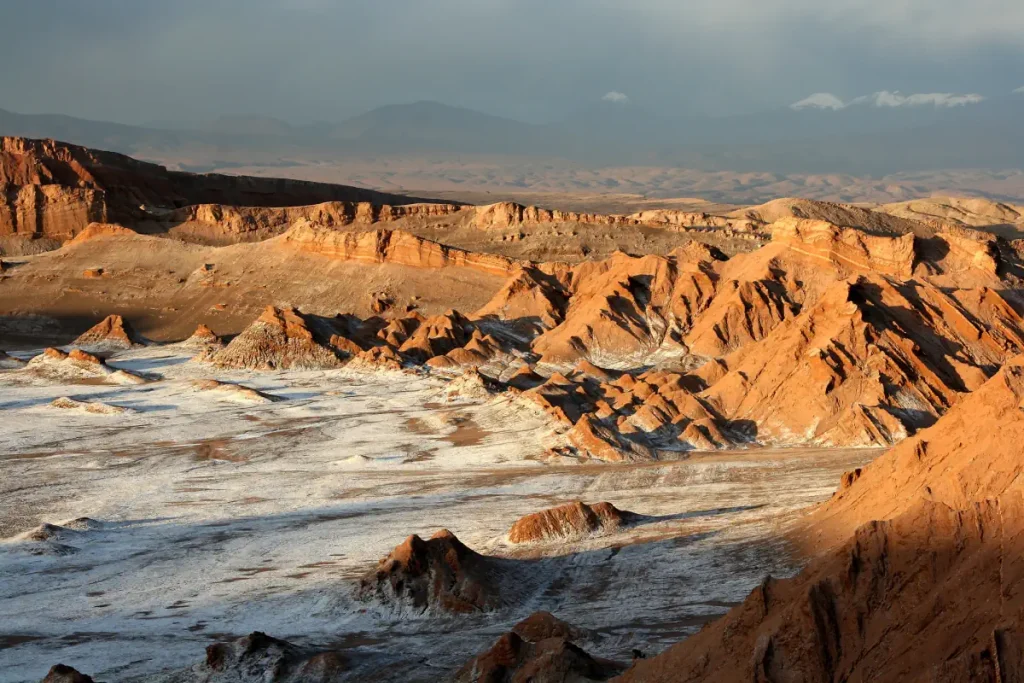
(304, 60)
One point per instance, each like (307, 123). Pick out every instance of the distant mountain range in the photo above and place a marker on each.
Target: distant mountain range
(865, 139)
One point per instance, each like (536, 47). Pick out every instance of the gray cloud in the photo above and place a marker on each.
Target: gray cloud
(885, 98)
(303, 60)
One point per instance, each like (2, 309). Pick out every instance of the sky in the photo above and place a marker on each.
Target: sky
(189, 61)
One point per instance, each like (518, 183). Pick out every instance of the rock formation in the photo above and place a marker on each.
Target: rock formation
(237, 393)
(77, 366)
(54, 190)
(388, 246)
(438, 573)
(540, 649)
(113, 333)
(282, 339)
(258, 657)
(92, 407)
(929, 591)
(205, 339)
(59, 673)
(566, 522)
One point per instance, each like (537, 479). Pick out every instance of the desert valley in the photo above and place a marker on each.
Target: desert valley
(274, 430)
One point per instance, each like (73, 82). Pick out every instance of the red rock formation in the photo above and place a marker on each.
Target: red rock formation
(77, 366)
(437, 336)
(539, 649)
(113, 333)
(389, 246)
(55, 189)
(847, 247)
(282, 339)
(439, 573)
(572, 520)
(203, 337)
(868, 361)
(258, 222)
(100, 230)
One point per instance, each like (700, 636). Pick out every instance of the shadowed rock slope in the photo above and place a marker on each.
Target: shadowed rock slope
(930, 591)
(539, 649)
(441, 573)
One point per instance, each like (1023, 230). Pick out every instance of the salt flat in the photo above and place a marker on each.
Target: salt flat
(218, 516)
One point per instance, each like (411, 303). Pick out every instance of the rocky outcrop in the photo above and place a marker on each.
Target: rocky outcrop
(567, 522)
(203, 338)
(59, 673)
(438, 573)
(54, 189)
(77, 366)
(389, 246)
(91, 407)
(539, 649)
(257, 658)
(505, 215)
(113, 333)
(847, 247)
(101, 230)
(235, 393)
(221, 222)
(870, 361)
(970, 454)
(282, 339)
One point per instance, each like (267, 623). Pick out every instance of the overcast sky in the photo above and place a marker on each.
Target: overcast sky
(139, 61)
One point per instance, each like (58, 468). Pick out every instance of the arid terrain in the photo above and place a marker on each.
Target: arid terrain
(259, 429)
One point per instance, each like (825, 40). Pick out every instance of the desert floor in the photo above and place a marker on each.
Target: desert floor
(217, 516)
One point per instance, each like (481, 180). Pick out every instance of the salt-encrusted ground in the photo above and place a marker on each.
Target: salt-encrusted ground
(220, 516)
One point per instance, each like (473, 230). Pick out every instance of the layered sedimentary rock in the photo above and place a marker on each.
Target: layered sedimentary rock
(540, 649)
(203, 338)
(54, 189)
(113, 333)
(569, 521)
(282, 339)
(389, 246)
(77, 366)
(827, 336)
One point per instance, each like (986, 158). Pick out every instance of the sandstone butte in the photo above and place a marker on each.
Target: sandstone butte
(921, 574)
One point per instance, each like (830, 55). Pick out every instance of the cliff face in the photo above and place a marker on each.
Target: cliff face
(53, 189)
(390, 246)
